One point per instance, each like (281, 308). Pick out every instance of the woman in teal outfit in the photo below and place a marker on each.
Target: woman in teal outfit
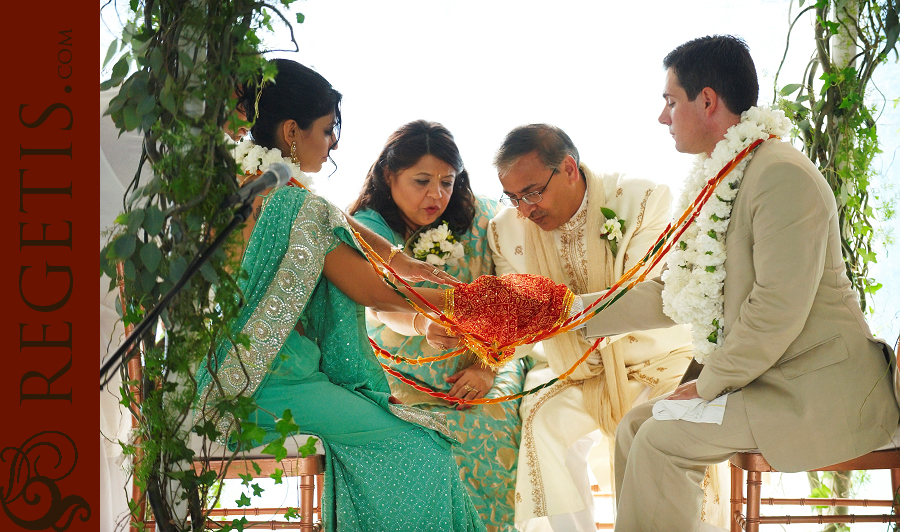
(418, 183)
(388, 466)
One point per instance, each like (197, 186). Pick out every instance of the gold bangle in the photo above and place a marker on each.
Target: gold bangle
(394, 251)
(414, 325)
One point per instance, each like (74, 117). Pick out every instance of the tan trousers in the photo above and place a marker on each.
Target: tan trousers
(659, 465)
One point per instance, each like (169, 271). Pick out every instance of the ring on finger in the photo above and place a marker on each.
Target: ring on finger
(469, 388)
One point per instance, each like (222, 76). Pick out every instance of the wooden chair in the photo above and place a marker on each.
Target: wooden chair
(309, 470)
(745, 510)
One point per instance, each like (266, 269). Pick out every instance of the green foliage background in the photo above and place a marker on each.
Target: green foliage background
(836, 125)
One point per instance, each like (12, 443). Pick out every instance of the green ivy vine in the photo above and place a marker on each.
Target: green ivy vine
(835, 124)
(176, 66)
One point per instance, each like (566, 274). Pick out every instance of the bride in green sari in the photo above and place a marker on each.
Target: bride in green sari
(388, 467)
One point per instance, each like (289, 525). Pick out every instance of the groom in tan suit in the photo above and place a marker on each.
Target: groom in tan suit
(806, 382)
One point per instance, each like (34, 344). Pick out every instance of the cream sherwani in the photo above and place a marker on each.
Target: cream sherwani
(642, 364)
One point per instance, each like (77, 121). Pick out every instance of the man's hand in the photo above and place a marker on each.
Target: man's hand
(686, 391)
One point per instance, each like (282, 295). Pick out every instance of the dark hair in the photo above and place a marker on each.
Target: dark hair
(550, 143)
(298, 93)
(720, 62)
(404, 148)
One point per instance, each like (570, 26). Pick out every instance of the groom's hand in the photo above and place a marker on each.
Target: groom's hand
(686, 391)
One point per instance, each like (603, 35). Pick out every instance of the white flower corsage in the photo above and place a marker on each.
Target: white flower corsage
(438, 245)
(612, 229)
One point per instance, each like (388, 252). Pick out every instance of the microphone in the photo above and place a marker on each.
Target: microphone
(276, 176)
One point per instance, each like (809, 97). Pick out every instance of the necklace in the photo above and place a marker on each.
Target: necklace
(695, 278)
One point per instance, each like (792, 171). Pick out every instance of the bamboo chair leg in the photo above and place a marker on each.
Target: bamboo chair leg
(754, 486)
(307, 488)
(895, 486)
(320, 487)
(737, 497)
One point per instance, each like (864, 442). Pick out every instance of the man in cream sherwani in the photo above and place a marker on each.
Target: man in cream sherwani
(803, 379)
(558, 230)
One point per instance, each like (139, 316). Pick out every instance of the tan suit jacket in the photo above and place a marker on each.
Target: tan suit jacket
(817, 386)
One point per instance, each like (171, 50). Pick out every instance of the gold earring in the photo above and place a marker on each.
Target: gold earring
(294, 152)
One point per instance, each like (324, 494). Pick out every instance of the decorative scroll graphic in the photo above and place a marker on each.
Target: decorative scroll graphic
(30, 496)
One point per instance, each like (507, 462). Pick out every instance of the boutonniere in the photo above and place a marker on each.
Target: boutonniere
(438, 245)
(612, 229)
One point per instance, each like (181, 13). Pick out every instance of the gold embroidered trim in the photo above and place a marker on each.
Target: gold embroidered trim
(274, 318)
(640, 217)
(568, 300)
(573, 251)
(643, 378)
(496, 236)
(448, 303)
(534, 467)
(435, 421)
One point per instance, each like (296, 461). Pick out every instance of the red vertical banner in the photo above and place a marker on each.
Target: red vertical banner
(48, 389)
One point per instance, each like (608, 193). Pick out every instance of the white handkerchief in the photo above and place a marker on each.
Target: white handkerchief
(693, 410)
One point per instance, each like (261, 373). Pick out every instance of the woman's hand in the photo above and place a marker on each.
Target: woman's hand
(414, 270)
(349, 271)
(406, 267)
(437, 336)
(471, 383)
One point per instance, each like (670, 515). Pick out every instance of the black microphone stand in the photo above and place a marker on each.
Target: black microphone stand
(124, 350)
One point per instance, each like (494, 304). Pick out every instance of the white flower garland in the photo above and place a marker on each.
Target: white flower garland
(695, 278)
(253, 158)
(438, 245)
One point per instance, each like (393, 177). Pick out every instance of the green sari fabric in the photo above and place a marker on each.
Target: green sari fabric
(488, 435)
(382, 472)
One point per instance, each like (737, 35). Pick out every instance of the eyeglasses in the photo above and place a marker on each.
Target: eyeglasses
(532, 198)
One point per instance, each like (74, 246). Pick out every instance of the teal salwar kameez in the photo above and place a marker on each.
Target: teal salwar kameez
(488, 435)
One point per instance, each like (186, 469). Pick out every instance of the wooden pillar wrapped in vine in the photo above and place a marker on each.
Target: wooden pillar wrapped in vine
(838, 129)
(834, 121)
